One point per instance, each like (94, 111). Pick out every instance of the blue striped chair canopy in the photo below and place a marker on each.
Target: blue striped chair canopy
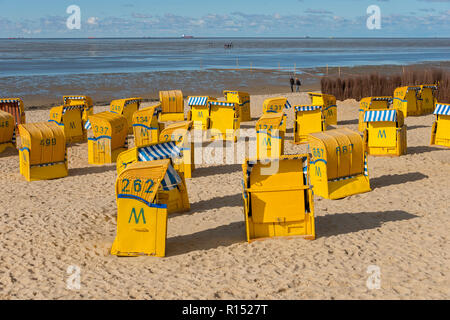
(442, 110)
(380, 115)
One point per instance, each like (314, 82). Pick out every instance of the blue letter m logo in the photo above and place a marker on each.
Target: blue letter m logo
(136, 219)
(382, 134)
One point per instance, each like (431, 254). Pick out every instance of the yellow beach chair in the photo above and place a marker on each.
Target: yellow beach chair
(146, 192)
(405, 100)
(270, 133)
(81, 100)
(280, 204)
(43, 151)
(108, 137)
(15, 107)
(243, 100)
(146, 128)
(276, 105)
(440, 133)
(426, 100)
(126, 107)
(328, 103)
(173, 144)
(172, 105)
(7, 131)
(70, 119)
(224, 120)
(199, 112)
(338, 164)
(372, 103)
(308, 119)
(385, 133)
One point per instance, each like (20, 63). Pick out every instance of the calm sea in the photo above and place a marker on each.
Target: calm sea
(44, 57)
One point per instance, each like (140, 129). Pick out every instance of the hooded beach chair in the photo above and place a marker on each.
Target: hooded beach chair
(177, 201)
(172, 105)
(199, 112)
(126, 107)
(270, 133)
(243, 100)
(276, 105)
(43, 151)
(308, 119)
(7, 131)
(70, 119)
(338, 164)
(146, 128)
(426, 100)
(328, 103)
(15, 107)
(224, 120)
(372, 103)
(146, 192)
(278, 203)
(173, 143)
(405, 100)
(385, 133)
(108, 137)
(440, 132)
(81, 100)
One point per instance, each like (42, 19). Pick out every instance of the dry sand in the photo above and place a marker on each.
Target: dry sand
(401, 226)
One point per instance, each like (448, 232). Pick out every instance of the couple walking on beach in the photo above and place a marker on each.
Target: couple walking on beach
(295, 82)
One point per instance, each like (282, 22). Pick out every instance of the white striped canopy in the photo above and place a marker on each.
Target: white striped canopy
(167, 150)
(380, 115)
(9, 100)
(287, 105)
(198, 101)
(442, 110)
(88, 125)
(222, 104)
(307, 108)
(171, 179)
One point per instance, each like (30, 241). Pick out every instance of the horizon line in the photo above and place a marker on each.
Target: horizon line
(219, 37)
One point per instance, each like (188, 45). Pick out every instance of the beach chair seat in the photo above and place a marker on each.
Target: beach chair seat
(126, 107)
(7, 131)
(308, 119)
(385, 133)
(329, 106)
(270, 133)
(172, 105)
(338, 164)
(142, 192)
(76, 100)
(440, 132)
(43, 151)
(108, 137)
(278, 203)
(243, 101)
(425, 98)
(146, 128)
(199, 112)
(224, 120)
(405, 100)
(276, 105)
(14, 106)
(70, 119)
(372, 103)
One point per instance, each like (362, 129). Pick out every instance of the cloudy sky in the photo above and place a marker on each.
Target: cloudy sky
(228, 18)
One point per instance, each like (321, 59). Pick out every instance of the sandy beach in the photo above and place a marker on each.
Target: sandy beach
(401, 227)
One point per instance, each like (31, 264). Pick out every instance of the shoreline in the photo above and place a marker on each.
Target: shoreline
(47, 91)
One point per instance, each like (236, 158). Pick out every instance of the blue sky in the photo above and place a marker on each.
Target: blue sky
(230, 18)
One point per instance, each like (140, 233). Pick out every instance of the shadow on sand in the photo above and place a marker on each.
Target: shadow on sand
(421, 149)
(344, 223)
(394, 179)
(75, 172)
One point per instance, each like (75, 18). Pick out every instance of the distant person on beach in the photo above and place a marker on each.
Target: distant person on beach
(298, 83)
(292, 84)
